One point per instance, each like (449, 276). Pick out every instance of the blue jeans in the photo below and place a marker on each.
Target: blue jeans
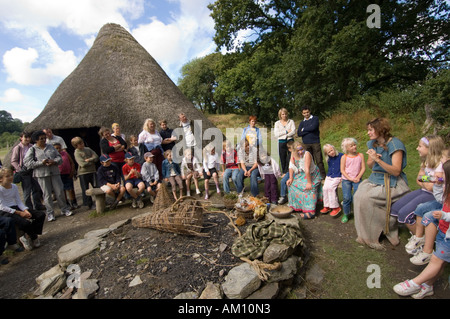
(347, 187)
(425, 210)
(283, 186)
(233, 173)
(253, 180)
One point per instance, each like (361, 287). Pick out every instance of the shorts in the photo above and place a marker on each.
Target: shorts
(426, 207)
(428, 219)
(442, 250)
(105, 188)
(147, 184)
(134, 181)
(211, 170)
(67, 182)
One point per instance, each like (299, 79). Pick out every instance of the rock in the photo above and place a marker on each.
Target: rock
(87, 289)
(51, 282)
(119, 224)
(98, 233)
(287, 271)
(277, 252)
(268, 291)
(73, 251)
(212, 291)
(240, 282)
(136, 281)
(187, 295)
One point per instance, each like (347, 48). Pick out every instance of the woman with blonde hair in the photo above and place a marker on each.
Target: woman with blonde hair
(304, 183)
(284, 131)
(152, 140)
(385, 185)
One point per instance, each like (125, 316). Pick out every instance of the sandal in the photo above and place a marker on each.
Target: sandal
(307, 215)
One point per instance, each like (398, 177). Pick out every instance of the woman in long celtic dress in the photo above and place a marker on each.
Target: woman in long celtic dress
(387, 183)
(305, 187)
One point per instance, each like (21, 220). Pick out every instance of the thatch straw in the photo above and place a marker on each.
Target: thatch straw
(117, 81)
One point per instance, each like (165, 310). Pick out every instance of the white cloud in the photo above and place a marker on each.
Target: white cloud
(188, 36)
(11, 95)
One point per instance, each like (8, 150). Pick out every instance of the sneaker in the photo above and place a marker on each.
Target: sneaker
(26, 242)
(344, 219)
(325, 210)
(4, 261)
(114, 205)
(407, 288)
(335, 212)
(421, 258)
(424, 292)
(36, 243)
(140, 203)
(206, 196)
(51, 217)
(414, 244)
(188, 193)
(134, 203)
(68, 213)
(282, 200)
(198, 192)
(16, 247)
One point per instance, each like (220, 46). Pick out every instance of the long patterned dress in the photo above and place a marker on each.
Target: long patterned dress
(300, 199)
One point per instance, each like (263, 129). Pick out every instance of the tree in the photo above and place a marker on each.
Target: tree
(199, 83)
(9, 124)
(323, 52)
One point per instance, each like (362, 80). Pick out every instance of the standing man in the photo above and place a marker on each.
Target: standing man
(308, 130)
(190, 130)
(52, 139)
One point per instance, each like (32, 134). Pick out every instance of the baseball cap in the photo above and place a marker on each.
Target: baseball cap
(128, 155)
(104, 158)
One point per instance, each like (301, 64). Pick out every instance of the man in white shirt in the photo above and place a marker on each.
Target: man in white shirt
(52, 139)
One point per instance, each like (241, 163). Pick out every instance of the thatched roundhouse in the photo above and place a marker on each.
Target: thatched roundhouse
(117, 81)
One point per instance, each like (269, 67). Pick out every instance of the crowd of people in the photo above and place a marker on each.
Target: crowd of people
(129, 167)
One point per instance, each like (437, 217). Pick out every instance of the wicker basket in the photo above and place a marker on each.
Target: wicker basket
(163, 199)
(185, 216)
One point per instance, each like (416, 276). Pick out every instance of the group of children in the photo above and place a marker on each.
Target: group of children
(426, 213)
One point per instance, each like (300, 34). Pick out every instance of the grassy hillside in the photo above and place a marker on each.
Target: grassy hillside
(338, 126)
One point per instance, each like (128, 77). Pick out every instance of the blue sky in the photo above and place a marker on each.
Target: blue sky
(42, 41)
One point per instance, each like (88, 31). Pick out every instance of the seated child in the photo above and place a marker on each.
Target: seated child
(171, 172)
(132, 176)
(86, 159)
(67, 170)
(108, 177)
(332, 181)
(211, 166)
(269, 171)
(230, 167)
(190, 169)
(31, 222)
(150, 175)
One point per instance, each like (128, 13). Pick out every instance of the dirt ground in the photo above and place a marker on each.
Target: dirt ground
(166, 263)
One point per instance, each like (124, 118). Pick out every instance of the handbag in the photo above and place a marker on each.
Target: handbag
(24, 171)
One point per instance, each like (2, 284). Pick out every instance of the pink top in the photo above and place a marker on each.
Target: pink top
(353, 165)
(65, 167)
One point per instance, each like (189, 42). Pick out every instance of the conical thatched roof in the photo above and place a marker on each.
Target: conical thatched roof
(117, 81)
